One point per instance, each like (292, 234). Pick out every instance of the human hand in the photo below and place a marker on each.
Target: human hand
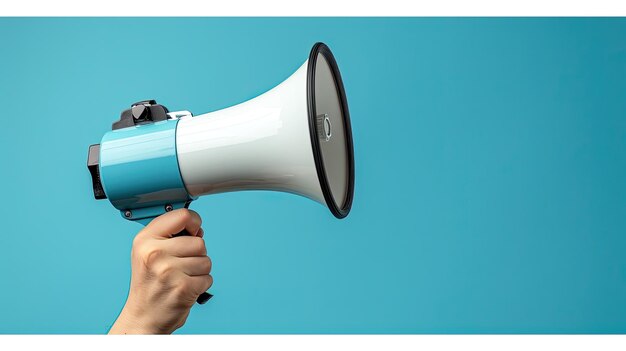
(168, 275)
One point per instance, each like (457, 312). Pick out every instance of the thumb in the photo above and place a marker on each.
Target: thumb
(168, 224)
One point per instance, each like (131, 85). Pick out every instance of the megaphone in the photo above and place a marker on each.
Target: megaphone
(294, 138)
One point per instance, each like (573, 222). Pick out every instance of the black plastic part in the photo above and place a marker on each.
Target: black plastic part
(205, 296)
(144, 102)
(321, 48)
(141, 112)
(93, 164)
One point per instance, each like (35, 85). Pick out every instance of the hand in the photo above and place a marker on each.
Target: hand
(168, 275)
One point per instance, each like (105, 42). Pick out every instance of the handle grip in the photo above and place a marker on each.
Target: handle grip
(205, 296)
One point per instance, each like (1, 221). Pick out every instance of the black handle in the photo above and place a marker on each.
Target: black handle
(205, 296)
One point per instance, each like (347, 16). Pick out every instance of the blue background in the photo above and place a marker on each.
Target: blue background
(490, 189)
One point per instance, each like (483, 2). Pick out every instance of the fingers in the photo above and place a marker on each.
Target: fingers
(184, 246)
(171, 271)
(193, 266)
(172, 223)
(200, 283)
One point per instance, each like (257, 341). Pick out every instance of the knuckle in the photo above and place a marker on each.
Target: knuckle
(208, 264)
(184, 214)
(184, 289)
(181, 295)
(165, 273)
(140, 245)
(199, 247)
(195, 214)
(137, 241)
(164, 270)
(151, 255)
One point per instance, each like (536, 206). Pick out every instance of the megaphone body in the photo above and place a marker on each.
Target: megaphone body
(294, 138)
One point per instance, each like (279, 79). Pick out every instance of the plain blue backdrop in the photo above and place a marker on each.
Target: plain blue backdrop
(490, 174)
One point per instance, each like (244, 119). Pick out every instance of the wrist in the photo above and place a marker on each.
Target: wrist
(132, 321)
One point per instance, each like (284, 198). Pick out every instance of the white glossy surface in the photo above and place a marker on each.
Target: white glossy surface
(261, 144)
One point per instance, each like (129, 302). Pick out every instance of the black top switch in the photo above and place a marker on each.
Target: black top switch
(141, 112)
